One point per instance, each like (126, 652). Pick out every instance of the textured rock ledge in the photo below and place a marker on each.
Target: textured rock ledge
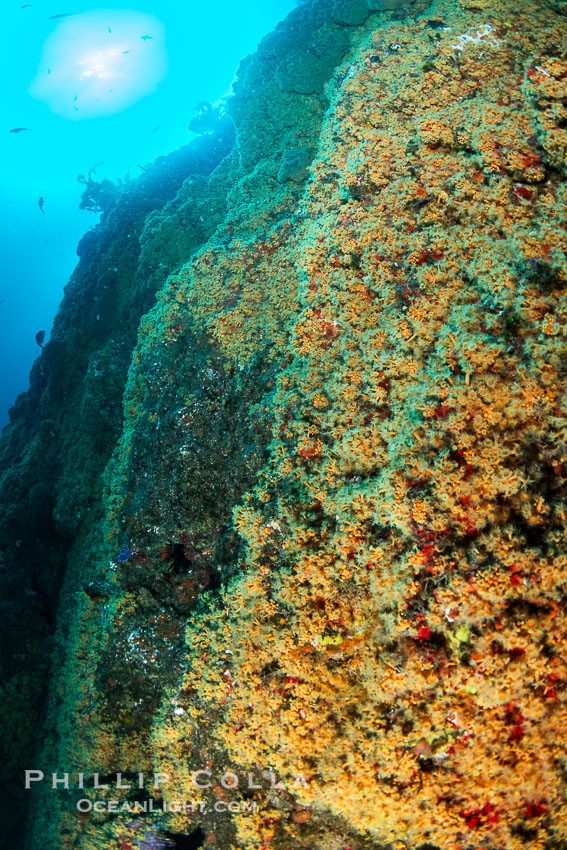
(331, 540)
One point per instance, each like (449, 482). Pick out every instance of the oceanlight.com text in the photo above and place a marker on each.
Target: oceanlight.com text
(163, 806)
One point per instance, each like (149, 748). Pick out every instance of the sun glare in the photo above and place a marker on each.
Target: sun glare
(100, 62)
(101, 65)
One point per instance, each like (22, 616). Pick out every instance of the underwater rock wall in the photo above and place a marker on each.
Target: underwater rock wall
(63, 431)
(396, 632)
(330, 541)
(139, 559)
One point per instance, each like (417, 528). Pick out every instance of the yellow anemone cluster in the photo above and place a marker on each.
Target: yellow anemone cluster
(396, 636)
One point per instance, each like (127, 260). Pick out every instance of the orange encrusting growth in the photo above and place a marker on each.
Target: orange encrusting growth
(398, 630)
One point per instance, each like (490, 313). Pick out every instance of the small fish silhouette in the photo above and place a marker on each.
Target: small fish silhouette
(40, 204)
(27, 6)
(145, 37)
(19, 129)
(39, 337)
(63, 15)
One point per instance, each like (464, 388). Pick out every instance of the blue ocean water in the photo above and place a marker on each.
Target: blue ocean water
(99, 90)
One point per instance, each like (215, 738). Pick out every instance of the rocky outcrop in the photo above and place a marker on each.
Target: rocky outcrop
(64, 429)
(329, 544)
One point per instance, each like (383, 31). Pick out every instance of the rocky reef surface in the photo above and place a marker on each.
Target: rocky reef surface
(285, 503)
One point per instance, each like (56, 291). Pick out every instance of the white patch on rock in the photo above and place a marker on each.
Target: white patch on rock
(481, 36)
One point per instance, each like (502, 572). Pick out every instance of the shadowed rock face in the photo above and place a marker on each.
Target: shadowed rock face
(63, 430)
(321, 531)
(559, 6)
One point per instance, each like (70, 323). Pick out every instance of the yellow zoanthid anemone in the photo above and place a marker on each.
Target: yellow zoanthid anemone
(396, 635)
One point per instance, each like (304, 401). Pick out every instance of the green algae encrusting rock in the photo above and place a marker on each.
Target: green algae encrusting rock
(64, 429)
(339, 487)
